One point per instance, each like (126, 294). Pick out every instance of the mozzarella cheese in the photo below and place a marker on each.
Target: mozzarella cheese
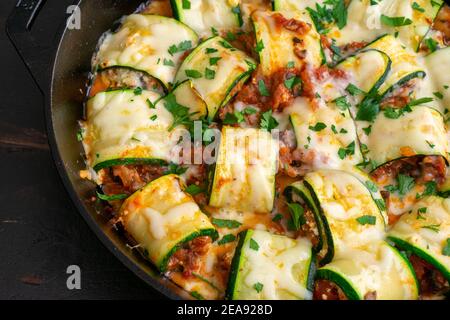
(427, 228)
(161, 216)
(280, 45)
(203, 15)
(281, 267)
(419, 132)
(121, 125)
(323, 146)
(143, 43)
(245, 171)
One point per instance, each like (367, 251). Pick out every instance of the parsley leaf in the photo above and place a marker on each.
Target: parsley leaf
(368, 109)
(254, 245)
(297, 215)
(291, 82)
(446, 248)
(180, 113)
(342, 103)
(259, 46)
(268, 122)
(186, 4)
(112, 197)
(194, 74)
(353, 90)
(263, 89)
(210, 74)
(319, 126)
(258, 287)
(229, 224)
(226, 239)
(174, 168)
(395, 21)
(194, 189)
(405, 184)
(366, 219)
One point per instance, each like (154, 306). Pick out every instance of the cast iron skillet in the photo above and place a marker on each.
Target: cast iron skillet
(59, 60)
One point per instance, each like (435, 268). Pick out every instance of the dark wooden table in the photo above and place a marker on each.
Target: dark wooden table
(41, 233)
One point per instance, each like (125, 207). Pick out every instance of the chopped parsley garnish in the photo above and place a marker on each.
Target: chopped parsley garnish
(333, 128)
(186, 4)
(263, 89)
(438, 95)
(342, 103)
(154, 117)
(112, 197)
(180, 113)
(420, 101)
(233, 118)
(332, 11)
(395, 21)
(210, 74)
(367, 130)
(319, 126)
(277, 217)
(214, 31)
(430, 189)
(138, 91)
(405, 184)
(268, 122)
(290, 64)
(348, 151)
(211, 50)
(194, 74)
(80, 135)
(194, 189)
(224, 223)
(226, 45)
(366, 219)
(213, 61)
(258, 287)
(297, 215)
(254, 245)
(249, 110)
(230, 36)
(168, 62)
(291, 82)
(430, 144)
(174, 168)
(368, 109)
(181, 47)
(380, 204)
(393, 113)
(420, 213)
(353, 90)
(150, 104)
(226, 239)
(259, 46)
(417, 7)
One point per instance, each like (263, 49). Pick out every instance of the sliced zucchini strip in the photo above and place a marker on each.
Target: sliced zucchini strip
(271, 267)
(216, 70)
(367, 69)
(203, 15)
(419, 132)
(365, 23)
(280, 44)
(187, 96)
(327, 133)
(244, 177)
(294, 5)
(149, 43)
(341, 200)
(444, 189)
(426, 232)
(161, 217)
(121, 128)
(404, 67)
(382, 271)
(436, 63)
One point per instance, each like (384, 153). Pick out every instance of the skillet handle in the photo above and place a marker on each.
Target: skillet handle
(34, 39)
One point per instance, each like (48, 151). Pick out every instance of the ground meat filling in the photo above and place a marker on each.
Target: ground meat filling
(422, 168)
(117, 78)
(188, 258)
(400, 97)
(442, 23)
(431, 280)
(127, 179)
(327, 290)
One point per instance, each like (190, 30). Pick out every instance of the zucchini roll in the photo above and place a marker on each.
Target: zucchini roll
(368, 20)
(217, 71)
(436, 63)
(420, 132)
(340, 210)
(425, 234)
(150, 43)
(271, 267)
(244, 175)
(326, 136)
(125, 127)
(204, 16)
(161, 218)
(381, 273)
(286, 38)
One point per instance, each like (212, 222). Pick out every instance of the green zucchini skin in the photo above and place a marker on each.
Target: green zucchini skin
(212, 233)
(404, 245)
(340, 281)
(236, 263)
(128, 161)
